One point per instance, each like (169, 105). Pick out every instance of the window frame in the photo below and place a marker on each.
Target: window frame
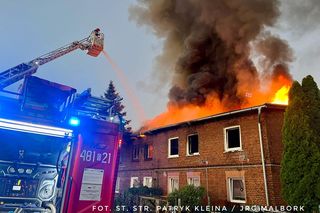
(230, 189)
(147, 152)
(196, 153)
(117, 186)
(144, 181)
(169, 147)
(132, 181)
(170, 190)
(138, 152)
(192, 177)
(225, 131)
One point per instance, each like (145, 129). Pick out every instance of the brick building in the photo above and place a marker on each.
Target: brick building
(235, 156)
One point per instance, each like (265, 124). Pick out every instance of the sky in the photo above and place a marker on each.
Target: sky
(32, 28)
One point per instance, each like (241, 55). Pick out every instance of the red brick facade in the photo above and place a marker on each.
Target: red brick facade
(213, 161)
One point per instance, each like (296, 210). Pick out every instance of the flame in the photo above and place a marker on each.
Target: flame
(273, 91)
(281, 96)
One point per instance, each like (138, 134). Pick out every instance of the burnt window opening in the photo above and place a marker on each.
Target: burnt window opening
(174, 147)
(233, 140)
(193, 144)
(148, 151)
(135, 152)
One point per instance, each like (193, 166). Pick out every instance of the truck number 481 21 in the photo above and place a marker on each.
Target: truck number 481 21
(93, 156)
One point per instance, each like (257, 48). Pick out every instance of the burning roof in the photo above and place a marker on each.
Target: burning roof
(218, 55)
(212, 117)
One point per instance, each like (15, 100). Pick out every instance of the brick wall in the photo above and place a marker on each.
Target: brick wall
(211, 150)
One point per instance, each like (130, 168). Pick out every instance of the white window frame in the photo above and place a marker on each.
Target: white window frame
(193, 177)
(226, 149)
(169, 146)
(117, 187)
(230, 189)
(196, 153)
(145, 181)
(169, 183)
(132, 181)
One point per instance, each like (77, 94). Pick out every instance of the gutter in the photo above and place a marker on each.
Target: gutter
(262, 156)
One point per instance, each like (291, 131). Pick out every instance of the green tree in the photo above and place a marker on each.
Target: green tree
(190, 195)
(118, 108)
(300, 167)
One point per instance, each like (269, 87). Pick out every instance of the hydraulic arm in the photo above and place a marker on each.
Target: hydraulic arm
(93, 44)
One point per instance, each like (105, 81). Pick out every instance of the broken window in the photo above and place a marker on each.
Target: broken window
(173, 147)
(193, 144)
(237, 190)
(232, 137)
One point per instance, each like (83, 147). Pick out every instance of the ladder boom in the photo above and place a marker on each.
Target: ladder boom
(16, 73)
(93, 44)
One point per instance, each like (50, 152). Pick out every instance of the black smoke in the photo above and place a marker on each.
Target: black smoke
(208, 41)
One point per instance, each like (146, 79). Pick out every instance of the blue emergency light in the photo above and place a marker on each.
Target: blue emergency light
(74, 121)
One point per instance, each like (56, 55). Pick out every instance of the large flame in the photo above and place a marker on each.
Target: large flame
(276, 92)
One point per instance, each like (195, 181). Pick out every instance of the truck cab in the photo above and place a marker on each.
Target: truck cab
(57, 154)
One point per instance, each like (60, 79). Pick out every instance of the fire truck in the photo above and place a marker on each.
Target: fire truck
(58, 148)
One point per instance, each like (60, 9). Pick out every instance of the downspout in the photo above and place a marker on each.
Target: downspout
(262, 156)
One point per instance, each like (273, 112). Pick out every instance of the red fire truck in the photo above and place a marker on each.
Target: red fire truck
(58, 149)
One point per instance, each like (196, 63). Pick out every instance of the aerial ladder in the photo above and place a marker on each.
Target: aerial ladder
(93, 44)
(48, 164)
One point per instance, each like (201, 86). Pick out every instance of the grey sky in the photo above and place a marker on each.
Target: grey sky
(32, 28)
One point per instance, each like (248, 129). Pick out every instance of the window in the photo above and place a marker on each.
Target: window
(148, 151)
(121, 158)
(134, 182)
(173, 147)
(193, 145)
(194, 181)
(135, 152)
(236, 190)
(232, 136)
(117, 190)
(147, 181)
(173, 184)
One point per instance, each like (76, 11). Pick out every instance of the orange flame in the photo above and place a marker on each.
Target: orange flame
(281, 96)
(274, 91)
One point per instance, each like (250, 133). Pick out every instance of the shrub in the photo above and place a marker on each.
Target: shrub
(130, 197)
(190, 196)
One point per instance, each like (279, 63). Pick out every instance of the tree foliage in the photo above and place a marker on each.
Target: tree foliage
(300, 167)
(113, 96)
(118, 108)
(190, 195)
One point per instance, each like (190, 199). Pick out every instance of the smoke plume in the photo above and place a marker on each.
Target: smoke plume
(210, 43)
